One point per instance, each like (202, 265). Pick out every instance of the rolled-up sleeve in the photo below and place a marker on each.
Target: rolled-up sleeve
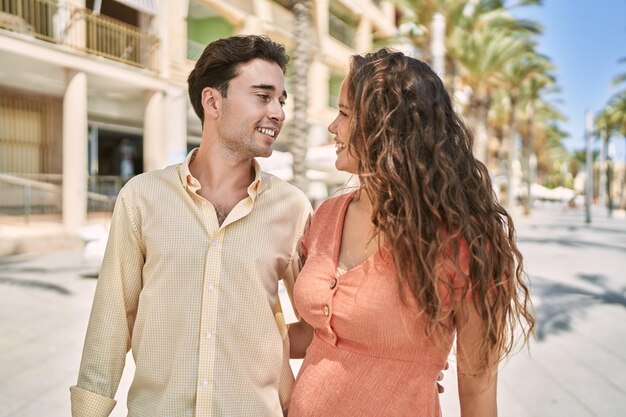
(87, 403)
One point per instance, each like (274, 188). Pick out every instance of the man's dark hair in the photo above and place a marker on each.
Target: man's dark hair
(220, 62)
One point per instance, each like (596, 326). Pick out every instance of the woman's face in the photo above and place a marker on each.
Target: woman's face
(340, 127)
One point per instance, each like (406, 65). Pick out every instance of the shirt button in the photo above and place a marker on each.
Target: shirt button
(211, 288)
(205, 383)
(208, 335)
(333, 283)
(326, 310)
(214, 242)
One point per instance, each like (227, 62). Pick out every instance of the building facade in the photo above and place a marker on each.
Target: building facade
(93, 92)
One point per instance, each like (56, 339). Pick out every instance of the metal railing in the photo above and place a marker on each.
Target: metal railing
(341, 30)
(81, 29)
(41, 194)
(194, 49)
(102, 192)
(28, 195)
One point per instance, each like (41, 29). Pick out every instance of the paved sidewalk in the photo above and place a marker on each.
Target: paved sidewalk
(576, 367)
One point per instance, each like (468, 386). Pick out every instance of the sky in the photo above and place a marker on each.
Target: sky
(585, 40)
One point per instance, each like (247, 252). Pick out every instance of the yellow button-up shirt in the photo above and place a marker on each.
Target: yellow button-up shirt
(197, 302)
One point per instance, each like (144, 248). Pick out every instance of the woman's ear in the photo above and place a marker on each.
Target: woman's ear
(211, 102)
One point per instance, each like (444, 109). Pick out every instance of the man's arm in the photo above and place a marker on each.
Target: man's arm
(477, 391)
(112, 317)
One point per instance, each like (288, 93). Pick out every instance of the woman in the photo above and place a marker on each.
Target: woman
(419, 253)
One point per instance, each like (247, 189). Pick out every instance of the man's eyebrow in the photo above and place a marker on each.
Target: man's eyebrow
(269, 87)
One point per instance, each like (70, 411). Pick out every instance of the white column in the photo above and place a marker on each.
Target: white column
(438, 44)
(252, 26)
(319, 74)
(75, 152)
(176, 126)
(154, 152)
(363, 41)
(321, 11)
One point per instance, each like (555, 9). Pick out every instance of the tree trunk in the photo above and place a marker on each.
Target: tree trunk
(622, 194)
(511, 155)
(603, 173)
(530, 158)
(299, 81)
(479, 109)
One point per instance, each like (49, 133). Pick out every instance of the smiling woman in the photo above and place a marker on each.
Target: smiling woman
(420, 255)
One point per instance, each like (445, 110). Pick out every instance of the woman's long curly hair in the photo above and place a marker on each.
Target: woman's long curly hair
(428, 193)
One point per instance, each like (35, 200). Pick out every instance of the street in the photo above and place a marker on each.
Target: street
(575, 367)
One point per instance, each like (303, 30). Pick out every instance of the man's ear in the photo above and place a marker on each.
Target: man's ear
(211, 102)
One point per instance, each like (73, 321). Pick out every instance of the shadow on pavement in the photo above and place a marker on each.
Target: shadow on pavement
(575, 227)
(571, 243)
(559, 303)
(31, 283)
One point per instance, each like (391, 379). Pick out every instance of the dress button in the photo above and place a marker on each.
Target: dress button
(333, 283)
(326, 310)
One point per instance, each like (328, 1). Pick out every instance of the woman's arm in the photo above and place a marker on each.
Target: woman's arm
(477, 391)
(300, 336)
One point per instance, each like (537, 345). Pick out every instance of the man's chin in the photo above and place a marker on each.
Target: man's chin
(265, 153)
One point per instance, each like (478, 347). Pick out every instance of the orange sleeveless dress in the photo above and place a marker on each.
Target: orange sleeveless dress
(370, 355)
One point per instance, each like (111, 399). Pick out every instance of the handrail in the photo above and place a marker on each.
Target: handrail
(79, 28)
(15, 180)
(46, 186)
(53, 192)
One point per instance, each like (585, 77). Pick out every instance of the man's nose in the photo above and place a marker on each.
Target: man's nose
(276, 111)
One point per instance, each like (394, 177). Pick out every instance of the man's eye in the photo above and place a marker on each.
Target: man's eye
(264, 97)
(282, 103)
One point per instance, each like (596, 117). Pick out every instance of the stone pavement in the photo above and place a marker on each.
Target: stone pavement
(576, 366)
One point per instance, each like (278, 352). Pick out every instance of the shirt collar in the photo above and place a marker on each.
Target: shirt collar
(189, 182)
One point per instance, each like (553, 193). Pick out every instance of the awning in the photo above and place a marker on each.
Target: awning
(145, 6)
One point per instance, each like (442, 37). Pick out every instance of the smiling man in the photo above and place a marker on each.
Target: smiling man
(190, 275)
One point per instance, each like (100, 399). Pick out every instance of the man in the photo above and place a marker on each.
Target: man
(189, 279)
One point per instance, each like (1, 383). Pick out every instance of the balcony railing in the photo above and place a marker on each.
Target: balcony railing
(40, 194)
(81, 29)
(194, 49)
(341, 30)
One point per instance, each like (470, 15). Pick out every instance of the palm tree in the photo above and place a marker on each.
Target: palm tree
(494, 41)
(517, 77)
(548, 137)
(301, 63)
(420, 16)
(618, 105)
(606, 124)
(533, 87)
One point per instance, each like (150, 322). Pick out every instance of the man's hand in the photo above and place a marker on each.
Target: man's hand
(440, 388)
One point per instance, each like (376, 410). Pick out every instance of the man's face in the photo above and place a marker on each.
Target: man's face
(252, 113)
